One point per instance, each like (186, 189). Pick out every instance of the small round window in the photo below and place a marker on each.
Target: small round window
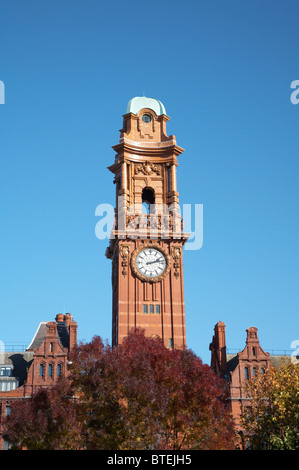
(146, 118)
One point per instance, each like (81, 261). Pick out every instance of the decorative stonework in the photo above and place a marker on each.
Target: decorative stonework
(124, 253)
(147, 168)
(145, 175)
(176, 255)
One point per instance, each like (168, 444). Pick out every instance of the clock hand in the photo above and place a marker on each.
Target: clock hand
(153, 262)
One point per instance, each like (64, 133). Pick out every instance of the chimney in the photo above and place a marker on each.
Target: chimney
(72, 329)
(219, 346)
(59, 318)
(252, 335)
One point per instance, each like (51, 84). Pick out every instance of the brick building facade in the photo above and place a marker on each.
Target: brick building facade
(147, 273)
(41, 365)
(236, 369)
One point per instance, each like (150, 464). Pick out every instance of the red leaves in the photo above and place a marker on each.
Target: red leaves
(46, 421)
(164, 399)
(140, 395)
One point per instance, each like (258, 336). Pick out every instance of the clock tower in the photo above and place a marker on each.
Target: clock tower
(146, 243)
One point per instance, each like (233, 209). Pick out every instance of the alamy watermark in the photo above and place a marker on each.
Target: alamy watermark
(160, 221)
(295, 94)
(2, 93)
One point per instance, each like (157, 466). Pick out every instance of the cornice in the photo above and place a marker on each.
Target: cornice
(147, 148)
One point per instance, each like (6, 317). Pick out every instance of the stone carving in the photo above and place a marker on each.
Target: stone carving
(124, 253)
(148, 168)
(176, 255)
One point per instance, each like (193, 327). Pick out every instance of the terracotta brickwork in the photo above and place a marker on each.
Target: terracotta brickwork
(236, 369)
(145, 173)
(43, 363)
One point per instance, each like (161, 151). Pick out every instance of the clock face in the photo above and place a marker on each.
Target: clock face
(151, 262)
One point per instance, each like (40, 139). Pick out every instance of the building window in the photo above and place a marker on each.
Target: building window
(262, 370)
(253, 351)
(7, 385)
(254, 372)
(58, 371)
(6, 371)
(50, 370)
(41, 370)
(170, 343)
(246, 373)
(6, 445)
(148, 199)
(7, 410)
(146, 118)
(151, 308)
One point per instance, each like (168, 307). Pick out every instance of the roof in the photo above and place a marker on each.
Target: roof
(276, 361)
(141, 102)
(19, 361)
(40, 334)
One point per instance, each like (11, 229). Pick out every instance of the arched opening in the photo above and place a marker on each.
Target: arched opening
(148, 200)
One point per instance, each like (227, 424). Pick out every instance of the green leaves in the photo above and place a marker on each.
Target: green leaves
(272, 422)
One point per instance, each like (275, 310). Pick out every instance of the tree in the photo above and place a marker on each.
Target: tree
(142, 395)
(47, 421)
(139, 395)
(272, 420)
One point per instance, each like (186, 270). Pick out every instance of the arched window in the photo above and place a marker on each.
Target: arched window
(253, 351)
(254, 372)
(246, 373)
(41, 370)
(148, 199)
(58, 370)
(50, 370)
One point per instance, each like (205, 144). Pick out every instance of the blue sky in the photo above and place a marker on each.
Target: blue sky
(223, 70)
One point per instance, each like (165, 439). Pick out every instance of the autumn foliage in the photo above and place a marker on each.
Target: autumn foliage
(47, 421)
(137, 396)
(272, 420)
